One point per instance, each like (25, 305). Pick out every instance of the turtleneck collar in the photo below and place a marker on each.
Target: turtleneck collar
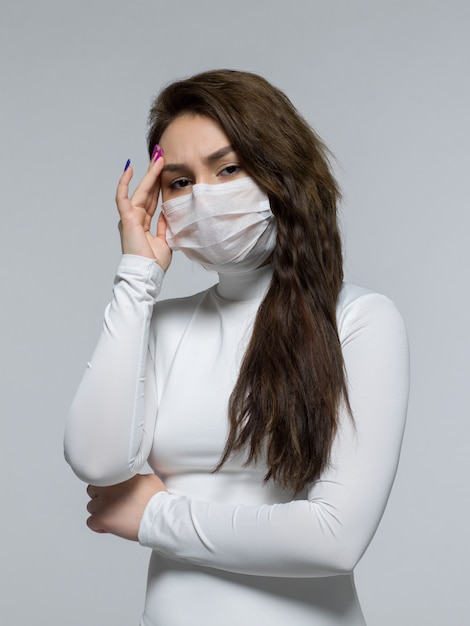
(242, 287)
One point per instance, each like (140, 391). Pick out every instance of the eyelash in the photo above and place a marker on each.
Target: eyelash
(234, 165)
(177, 185)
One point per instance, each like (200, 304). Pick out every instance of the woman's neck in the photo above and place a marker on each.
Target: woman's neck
(242, 287)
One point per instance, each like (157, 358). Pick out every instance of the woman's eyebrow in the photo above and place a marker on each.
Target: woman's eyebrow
(214, 156)
(174, 167)
(218, 154)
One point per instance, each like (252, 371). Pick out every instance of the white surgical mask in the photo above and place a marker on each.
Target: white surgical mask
(227, 227)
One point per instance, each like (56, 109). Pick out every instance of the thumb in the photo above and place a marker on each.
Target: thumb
(161, 227)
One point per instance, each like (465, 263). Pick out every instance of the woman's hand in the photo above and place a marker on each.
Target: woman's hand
(118, 509)
(136, 216)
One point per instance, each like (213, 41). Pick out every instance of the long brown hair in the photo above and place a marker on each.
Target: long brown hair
(286, 400)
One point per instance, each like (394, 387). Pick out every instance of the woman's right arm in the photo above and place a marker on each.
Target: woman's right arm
(110, 426)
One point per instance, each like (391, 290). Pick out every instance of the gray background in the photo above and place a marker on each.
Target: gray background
(386, 85)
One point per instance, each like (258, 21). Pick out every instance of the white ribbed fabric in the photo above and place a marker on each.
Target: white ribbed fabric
(228, 549)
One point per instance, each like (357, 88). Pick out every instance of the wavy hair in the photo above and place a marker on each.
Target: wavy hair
(285, 404)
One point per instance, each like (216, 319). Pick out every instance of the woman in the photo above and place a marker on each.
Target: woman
(271, 407)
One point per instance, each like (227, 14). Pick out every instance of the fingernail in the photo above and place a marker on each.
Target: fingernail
(128, 162)
(155, 150)
(158, 155)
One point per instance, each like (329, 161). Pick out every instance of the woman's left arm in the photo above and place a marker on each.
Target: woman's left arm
(327, 533)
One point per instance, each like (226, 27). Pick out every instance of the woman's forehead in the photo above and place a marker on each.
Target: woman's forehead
(191, 131)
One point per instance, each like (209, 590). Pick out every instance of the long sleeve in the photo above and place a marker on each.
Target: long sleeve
(111, 422)
(326, 533)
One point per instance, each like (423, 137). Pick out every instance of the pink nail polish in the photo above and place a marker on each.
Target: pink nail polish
(158, 155)
(155, 150)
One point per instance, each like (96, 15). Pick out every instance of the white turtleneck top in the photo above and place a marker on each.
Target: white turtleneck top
(227, 548)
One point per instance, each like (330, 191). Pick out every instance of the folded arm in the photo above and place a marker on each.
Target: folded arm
(111, 422)
(327, 533)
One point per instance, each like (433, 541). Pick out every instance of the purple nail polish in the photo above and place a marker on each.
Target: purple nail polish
(128, 162)
(155, 150)
(158, 155)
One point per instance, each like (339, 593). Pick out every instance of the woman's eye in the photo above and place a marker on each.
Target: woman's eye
(181, 183)
(230, 170)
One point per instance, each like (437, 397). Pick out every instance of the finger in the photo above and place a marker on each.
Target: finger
(161, 227)
(147, 191)
(156, 155)
(94, 525)
(92, 491)
(122, 191)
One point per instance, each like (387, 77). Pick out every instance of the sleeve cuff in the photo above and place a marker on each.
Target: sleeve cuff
(135, 263)
(145, 534)
(142, 271)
